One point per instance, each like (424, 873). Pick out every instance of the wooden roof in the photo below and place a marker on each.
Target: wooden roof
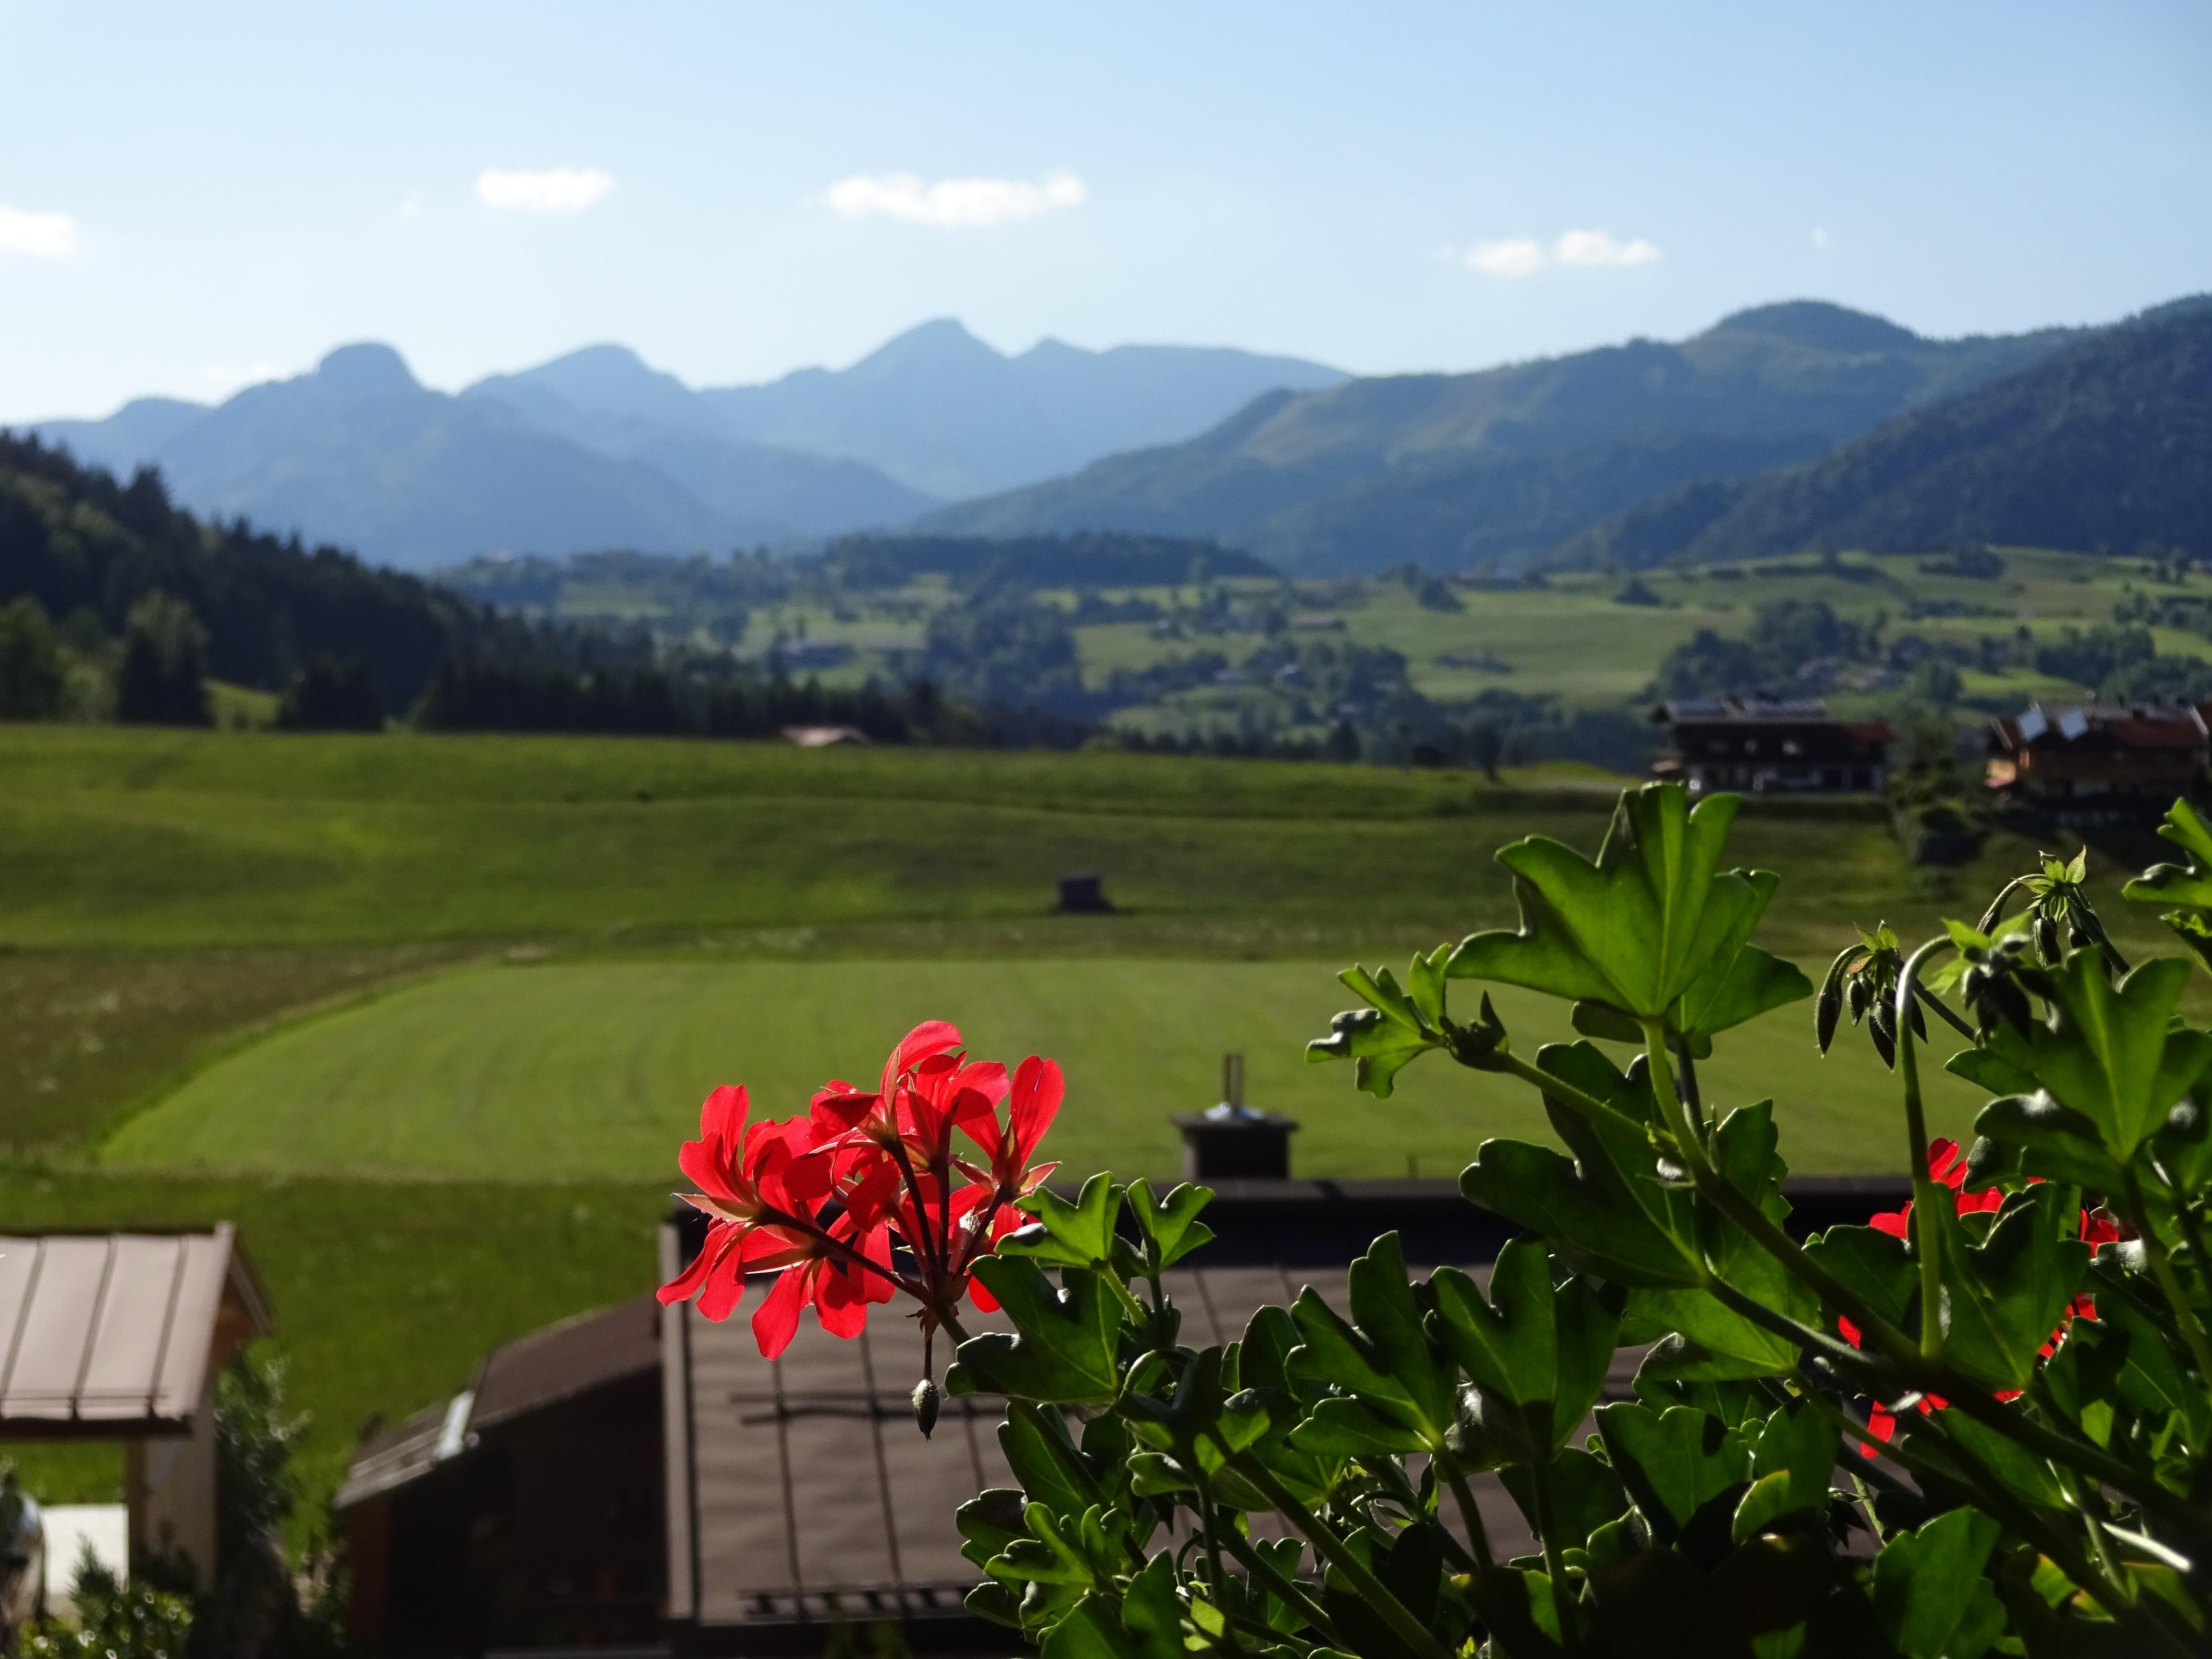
(112, 1335)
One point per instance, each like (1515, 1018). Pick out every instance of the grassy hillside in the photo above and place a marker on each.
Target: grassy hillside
(124, 839)
(593, 1071)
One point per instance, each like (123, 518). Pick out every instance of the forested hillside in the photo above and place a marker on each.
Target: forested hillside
(1454, 470)
(89, 549)
(2106, 446)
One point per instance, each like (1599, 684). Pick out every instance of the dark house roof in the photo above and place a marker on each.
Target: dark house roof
(543, 1369)
(2094, 729)
(112, 1335)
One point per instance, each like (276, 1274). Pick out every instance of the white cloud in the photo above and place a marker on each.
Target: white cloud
(1524, 256)
(1518, 256)
(44, 235)
(556, 190)
(1595, 247)
(1820, 242)
(951, 204)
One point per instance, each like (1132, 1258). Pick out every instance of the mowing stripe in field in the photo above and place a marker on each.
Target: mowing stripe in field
(595, 1071)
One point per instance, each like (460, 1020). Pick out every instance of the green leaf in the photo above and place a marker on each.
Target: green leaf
(1992, 1069)
(1541, 1353)
(1802, 1443)
(2060, 1143)
(1636, 929)
(1387, 1363)
(1586, 1494)
(1726, 1344)
(1768, 1500)
(1609, 1211)
(1874, 1264)
(1063, 1346)
(1044, 1460)
(1170, 1224)
(1673, 1462)
(1150, 1612)
(1929, 1593)
(1518, 1608)
(2110, 1051)
(2005, 1295)
(1754, 981)
(1078, 1235)
(1092, 1629)
(1393, 1029)
(2029, 1476)
(2174, 883)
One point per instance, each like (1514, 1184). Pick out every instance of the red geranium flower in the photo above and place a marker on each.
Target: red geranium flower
(858, 1198)
(1946, 1165)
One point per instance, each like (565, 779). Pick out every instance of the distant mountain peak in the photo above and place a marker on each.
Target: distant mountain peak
(942, 342)
(368, 369)
(1820, 323)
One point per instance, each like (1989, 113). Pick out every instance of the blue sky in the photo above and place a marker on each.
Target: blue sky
(191, 197)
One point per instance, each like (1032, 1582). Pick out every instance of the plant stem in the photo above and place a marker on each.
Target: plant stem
(1930, 999)
(1926, 1230)
(1331, 1548)
(1589, 1106)
(1470, 1515)
(1555, 1566)
(1209, 1527)
(2161, 1268)
(1291, 1592)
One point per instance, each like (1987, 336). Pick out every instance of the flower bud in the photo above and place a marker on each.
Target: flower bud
(925, 1402)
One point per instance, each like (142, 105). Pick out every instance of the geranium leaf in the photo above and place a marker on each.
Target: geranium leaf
(2174, 883)
(1929, 1593)
(1609, 1211)
(1064, 1354)
(1673, 1462)
(1170, 1224)
(2005, 1296)
(1078, 1235)
(1634, 930)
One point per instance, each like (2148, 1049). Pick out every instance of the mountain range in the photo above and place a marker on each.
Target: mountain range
(596, 449)
(1796, 424)
(1502, 465)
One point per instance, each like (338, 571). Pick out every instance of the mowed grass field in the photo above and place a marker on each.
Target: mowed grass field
(594, 1071)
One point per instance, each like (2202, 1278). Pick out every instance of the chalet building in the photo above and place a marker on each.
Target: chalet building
(2110, 756)
(1748, 744)
(119, 1336)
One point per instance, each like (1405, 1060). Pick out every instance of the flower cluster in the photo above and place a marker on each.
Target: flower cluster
(862, 1196)
(1948, 1166)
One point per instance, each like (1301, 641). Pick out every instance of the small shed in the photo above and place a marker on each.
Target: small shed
(119, 1336)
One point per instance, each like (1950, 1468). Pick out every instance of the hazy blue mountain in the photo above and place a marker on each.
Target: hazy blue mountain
(1450, 469)
(126, 438)
(2107, 445)
(606, 399)
(360, 454)
(943, 412)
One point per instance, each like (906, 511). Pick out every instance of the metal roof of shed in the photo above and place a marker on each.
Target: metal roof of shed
(112, 1334)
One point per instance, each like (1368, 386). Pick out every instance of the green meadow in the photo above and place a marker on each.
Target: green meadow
(427, 1016)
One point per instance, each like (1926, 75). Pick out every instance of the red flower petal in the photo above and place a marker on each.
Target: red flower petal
(776, 1322)
(931, 1036)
